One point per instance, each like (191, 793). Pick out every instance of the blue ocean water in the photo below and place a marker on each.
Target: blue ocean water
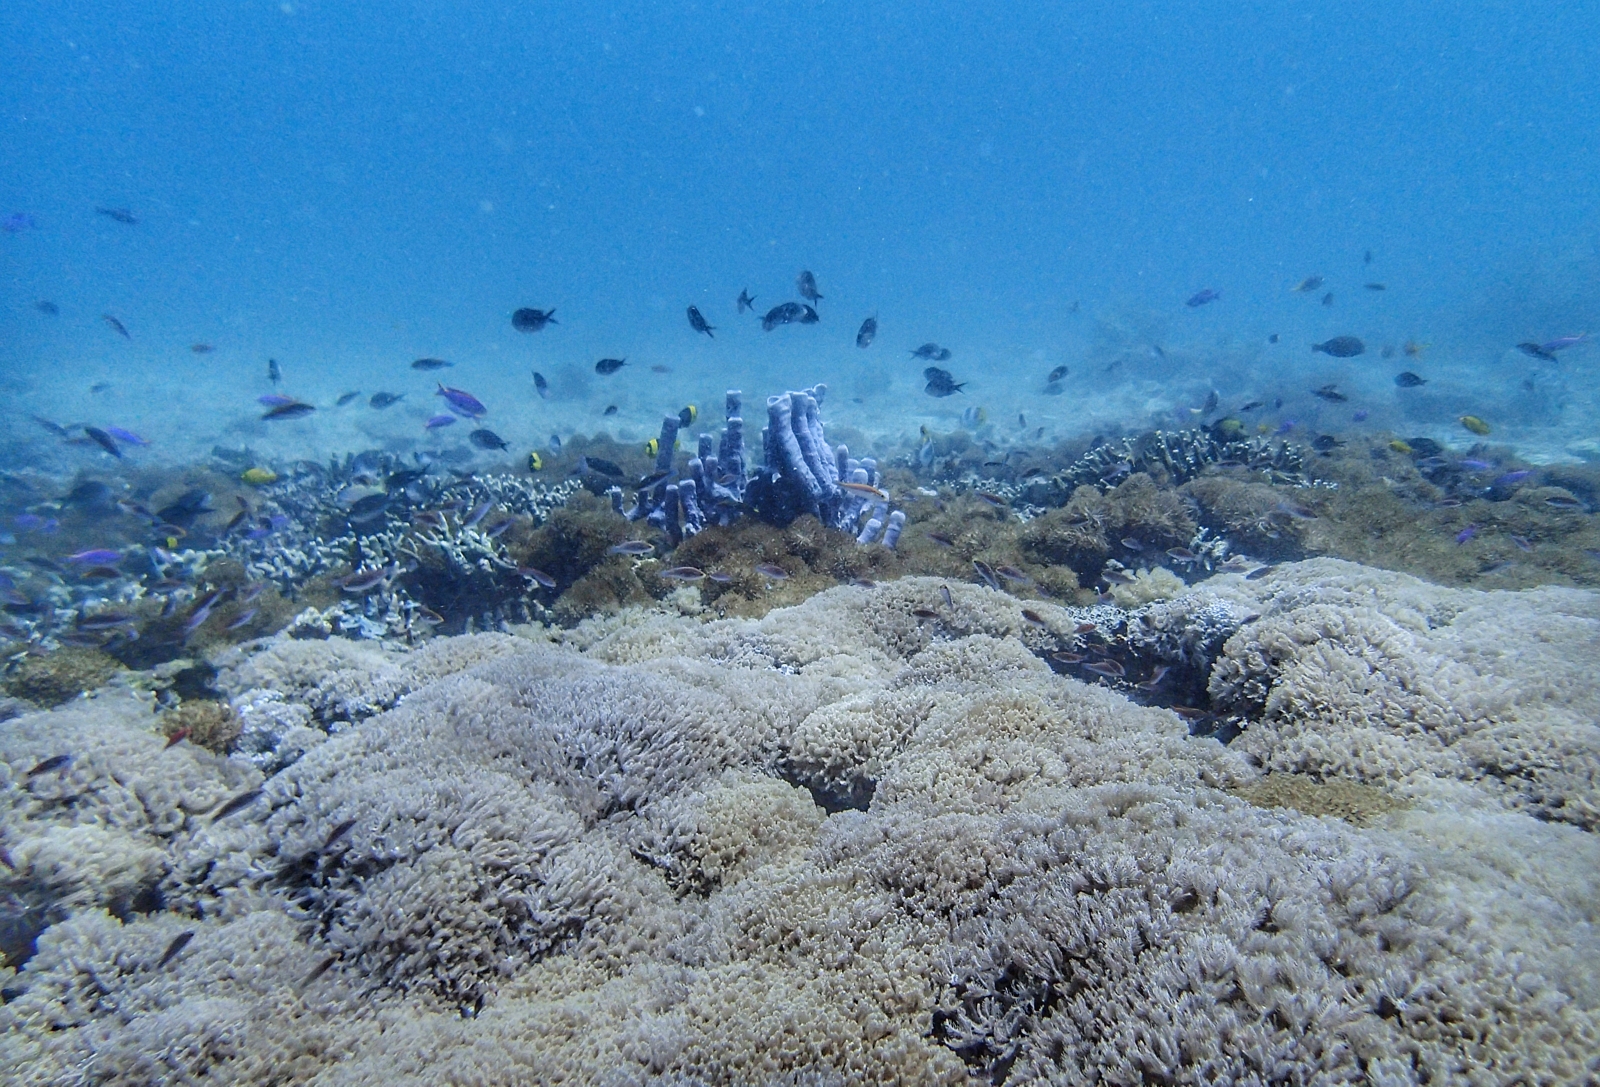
(347, 187)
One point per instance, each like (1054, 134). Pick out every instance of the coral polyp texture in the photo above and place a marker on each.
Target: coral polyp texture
(875, 838)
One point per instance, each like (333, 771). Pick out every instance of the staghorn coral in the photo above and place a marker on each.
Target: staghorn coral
(603, 861)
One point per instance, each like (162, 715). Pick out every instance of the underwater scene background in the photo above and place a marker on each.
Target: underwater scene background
(799, 543)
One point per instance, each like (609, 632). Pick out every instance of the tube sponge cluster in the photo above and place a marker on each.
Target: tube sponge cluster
(836, 845)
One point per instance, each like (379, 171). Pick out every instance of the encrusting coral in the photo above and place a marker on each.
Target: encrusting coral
(842, 843)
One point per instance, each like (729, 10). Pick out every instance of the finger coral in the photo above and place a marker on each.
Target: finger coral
(871, 839)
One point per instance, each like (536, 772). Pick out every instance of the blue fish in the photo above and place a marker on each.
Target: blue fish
(1513, 477)
(17, 222)
(1200, 298)
(555, 444)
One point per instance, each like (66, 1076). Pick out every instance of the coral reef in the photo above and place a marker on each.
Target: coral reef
(53, 678)
(1173, 458)
(1127, 521)
(873, 838)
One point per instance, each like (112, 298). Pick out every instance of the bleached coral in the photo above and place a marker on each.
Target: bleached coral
(1385, 679)
(610, 862)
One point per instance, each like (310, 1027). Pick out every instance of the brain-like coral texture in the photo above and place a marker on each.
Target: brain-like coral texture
(845, 843)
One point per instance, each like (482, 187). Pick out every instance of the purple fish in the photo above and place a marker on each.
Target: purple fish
(274, 400)
(1466, 534)
(125, 436)
(278, 521)
(1359, 417)
(461, 402)
(242, 621)
(99, 556)
(28, 521)
(440, 421)
(1513, 477)
(1286, 426)
(1564, 342)
(1477, 465)
(17, 222)
(1200, 298)
(1523, 543)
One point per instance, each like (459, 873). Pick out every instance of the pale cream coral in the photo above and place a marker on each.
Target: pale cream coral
(606, 861)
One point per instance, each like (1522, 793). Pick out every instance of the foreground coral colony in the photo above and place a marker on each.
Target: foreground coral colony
(846, 774)
(805, 545)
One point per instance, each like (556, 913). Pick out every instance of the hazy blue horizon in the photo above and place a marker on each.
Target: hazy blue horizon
(348, 189)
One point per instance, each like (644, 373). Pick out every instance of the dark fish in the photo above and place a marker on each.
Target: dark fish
(184, 510)
(176, 738)
(541, 385)
(243, 620)
(1307, 285)
(598, 464)
(940, 382)
(399, 481)
(698, 322)
(632, 547)
(292, 410)
(1200, 298)
(116, 326)
(1327, 299)
(1367, 257)
(684, 573)
(1259, 572)
(1182, 554)
(1108, 668)
(1407, 380)
(808, 316)
(924, 613)
(1376, 286)
(1068, 658)
(1252, 406)
(121, 215)
(931, 351)
(805, 286)
(609, 366)
(103, 440)
(430, 364)
(237, 804)
(688, 415)
(1330, 393)
(488, 439)
(528, 319)
(179, 942)
(611, 409)
(784, 314)
(986, 572)
(1272, 338)
(941, 539)
(1536, 351)
(944, 594)
(772, 570)
(653, 478)
(54, 762)
(660, 368)
(1341, 347)
(274, 371)
(1562, 502)
(1011, 573)
(745, 301)
(55, 428)
(368, 509)
(345, 398)
(44, 305)
(478, 513)
(869, 329)
(384, 400)
(1056, 375)
(1324, 443)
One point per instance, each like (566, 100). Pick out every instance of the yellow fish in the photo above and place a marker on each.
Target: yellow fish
(535, 461)
(1474, 424)
(688, 415)
(258, 477)
(1401, 447)
(652, 447)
